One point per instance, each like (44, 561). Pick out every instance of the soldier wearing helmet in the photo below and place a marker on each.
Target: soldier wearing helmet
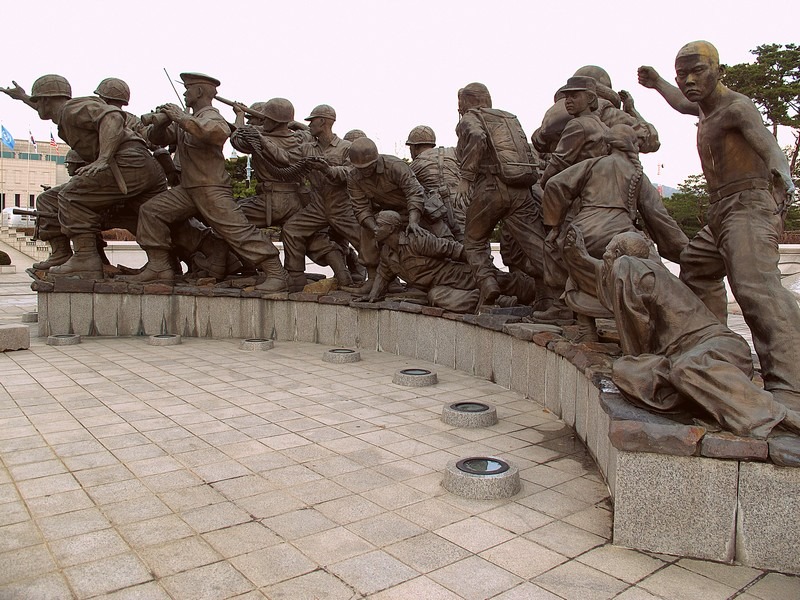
(329, 205)
(274, 146)
(119, 172)
(380, 182)
(438, 171)
(352, 135)
(205, 191)
(498, 169)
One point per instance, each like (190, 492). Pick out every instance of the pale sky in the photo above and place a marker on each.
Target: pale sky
(385, 66)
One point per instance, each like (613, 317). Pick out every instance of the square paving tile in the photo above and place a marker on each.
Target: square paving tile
(427, 552)
(475, 534)
(311, 586)
(319, 546)
(210, 582)
(88, 547)
(372, 572)
(241, 539)
(107, 575)
(475, 578)
(180, 555)
(273, 564)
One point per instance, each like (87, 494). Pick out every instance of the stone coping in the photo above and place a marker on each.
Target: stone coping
(679, 486)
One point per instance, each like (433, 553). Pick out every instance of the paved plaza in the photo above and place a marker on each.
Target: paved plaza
(205, 471)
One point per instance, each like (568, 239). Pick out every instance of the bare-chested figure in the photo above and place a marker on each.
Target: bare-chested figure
(741, 162)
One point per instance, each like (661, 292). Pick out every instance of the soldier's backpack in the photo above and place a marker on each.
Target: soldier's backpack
(509, 147)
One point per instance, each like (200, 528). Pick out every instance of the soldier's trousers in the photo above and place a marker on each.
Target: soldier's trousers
(216, 208)
(741, 240)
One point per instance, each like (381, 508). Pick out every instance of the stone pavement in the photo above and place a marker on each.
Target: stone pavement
(205, 471)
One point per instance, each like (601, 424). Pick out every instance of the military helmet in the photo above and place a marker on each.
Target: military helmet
(363, 153)
(112, 88)
(259, 107)
(74, 158)
(323, 110)
(51, 86)
(354, 134)
(598, 73)
(279, 109)
(421, 135)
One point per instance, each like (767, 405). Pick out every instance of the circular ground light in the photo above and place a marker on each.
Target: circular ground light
(63, 339)
(415, 377)
(469, 414)
(482, 478)
(341, 356)
(257, 344)
(164, 339)
(30, 317)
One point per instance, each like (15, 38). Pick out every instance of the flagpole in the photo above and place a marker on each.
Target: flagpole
(2, 176)
(28, 177)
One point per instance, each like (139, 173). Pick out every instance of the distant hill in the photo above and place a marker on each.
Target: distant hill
(665, 190)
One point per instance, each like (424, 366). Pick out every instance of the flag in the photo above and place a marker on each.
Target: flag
(33, 141)
(53, 142)
(8, 139)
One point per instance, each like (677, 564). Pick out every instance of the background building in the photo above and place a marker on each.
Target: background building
(25, 169)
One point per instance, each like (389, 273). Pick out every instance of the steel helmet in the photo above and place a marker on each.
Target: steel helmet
(74, 158)
(279, 109)
(112, 88)
(51, 86)
(354, 134)
(363, 152)
(421, 134)
(323, 110)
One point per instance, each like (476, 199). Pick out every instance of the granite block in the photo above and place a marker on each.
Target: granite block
(203, 316)
(465, 347)
(501, 359)
(14, 337)
(784, 450)
(58, 314)
(326, 324)
(727, 445)
(445, 332)
(582, 402)
(678, 505)
(185, 315)
(768, 529)
(129, 319)
(72, 285)
(609, 471)
(247, 327)
(283, 320)
(406, 327)
(42, 302)
(106, 311)
(637, 436)
(367, 329)
(537, 367)
(552, 383)
(346, 326)
(222, 315)
(426, 338)
(387, 334)
(519, 365)
(81, 314)
(483, 353)
(306, 318)
(570, 381)
(154, 314)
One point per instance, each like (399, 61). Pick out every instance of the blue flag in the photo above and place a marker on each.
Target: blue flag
(8, 139)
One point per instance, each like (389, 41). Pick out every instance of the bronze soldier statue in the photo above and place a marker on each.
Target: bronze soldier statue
(437, 169)
(204, 191)
(741, 162)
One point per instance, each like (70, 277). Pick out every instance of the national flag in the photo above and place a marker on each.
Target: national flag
(8, 139)
(33, 142)
(53, 142)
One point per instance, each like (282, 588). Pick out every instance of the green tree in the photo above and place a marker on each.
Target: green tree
(237, 169)
(773, 83)
(688, 206)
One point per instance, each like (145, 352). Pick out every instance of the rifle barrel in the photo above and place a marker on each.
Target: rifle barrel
(246, 109)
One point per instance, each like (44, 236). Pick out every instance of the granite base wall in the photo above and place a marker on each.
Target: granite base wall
(668, 497)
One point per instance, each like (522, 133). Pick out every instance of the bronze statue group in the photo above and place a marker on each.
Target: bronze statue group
(581, 227)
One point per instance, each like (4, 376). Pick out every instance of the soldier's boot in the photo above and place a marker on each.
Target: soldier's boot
(489, 290)
(587, 330)
(366, 287)
(217, 255)
(85, 262)
(358, 273)
(60, 252)
(340, 271)
(558, 314)
(506, 301)
(277, 279)
(297, 281)
(158, 269)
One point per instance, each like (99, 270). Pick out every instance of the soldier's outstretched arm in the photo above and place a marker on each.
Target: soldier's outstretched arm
(649, 78)
(17, 93)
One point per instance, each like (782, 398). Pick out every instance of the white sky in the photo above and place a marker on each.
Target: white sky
(385, 66)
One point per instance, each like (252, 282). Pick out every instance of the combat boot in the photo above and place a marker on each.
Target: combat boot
(366, 287)
(558, 314)
(215, 260)
(489, 290)
(340, 271)
(60, 252)
(158, 269)
(85, 262)
(587, 330)
(277, 279)
(297, 281)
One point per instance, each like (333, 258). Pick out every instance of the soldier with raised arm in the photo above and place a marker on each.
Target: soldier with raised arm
(742, 162)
